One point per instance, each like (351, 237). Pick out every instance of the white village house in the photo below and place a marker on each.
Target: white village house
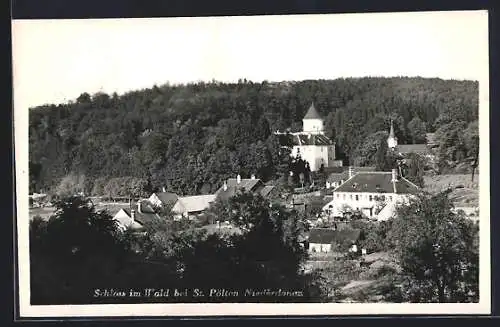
(311, 144)
(324, 240)
(376, 194)
(192, 206)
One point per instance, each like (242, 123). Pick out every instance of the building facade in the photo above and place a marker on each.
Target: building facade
(375, 194)
(311, 144)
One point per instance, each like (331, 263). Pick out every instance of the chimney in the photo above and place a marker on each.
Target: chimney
(238, 179)
(139, 207)
(225, 186)
(253, 176)
(394, 175)
(132, 214)
(351, 171)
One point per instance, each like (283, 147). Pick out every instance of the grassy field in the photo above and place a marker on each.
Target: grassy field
(467, 195)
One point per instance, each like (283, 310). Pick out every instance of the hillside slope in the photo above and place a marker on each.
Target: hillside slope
(189, 138)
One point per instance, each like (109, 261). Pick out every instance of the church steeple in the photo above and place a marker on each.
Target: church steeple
(391, 133)
(392, 140)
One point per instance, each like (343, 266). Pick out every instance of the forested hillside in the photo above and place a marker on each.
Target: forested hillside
(188, 138)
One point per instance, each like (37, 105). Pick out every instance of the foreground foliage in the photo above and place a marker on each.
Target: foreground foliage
(79, 251)
(438, 251)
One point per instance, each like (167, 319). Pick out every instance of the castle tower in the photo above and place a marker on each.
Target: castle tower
(392, 140)
(312, 122)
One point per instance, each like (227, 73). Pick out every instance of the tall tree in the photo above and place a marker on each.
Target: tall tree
(437, 251)
(413, 169)
(417, 130)
(366, 152)
(262, 129)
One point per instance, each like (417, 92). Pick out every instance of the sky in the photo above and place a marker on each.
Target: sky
(55, 61)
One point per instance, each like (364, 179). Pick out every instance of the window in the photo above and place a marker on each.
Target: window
(370, 198)
(390, 198)
(338, 195)
(357, 197)
(383, 197)
(350, 196)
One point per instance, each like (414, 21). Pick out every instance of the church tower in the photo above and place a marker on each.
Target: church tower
(312, 122)
(392, 140)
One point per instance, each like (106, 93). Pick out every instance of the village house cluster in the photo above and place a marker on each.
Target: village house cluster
(186, 207)
(362, 190)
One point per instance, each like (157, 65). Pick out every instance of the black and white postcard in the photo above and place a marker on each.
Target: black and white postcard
(332, 164)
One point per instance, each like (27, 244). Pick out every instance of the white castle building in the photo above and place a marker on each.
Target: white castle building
(312, 145)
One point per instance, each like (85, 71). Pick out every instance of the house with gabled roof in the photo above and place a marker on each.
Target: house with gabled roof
(327, 239)
(254, 185)
(164, 200)
(311, 144)
(376, 194)
(336, 178)
(136, 216)
(192, 206)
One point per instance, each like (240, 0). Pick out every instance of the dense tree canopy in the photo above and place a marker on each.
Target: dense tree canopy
(438, 251)
(189, 138)
(80, 250)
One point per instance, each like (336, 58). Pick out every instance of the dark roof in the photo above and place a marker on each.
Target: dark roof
(415, 148)
(167, 198)
(328, 236)
(312, 113)
(146, 215)
(266, 190)
(377, 182)
(303, 139)
(342, 173)
(247, 184)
